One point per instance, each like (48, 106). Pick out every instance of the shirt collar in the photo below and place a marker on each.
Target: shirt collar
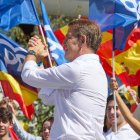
(88, 56)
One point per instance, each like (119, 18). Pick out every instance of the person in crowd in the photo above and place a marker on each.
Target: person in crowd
(19, 130)
(5, 124)
(133, 122)
(74, 88)
(124, 130)
(10, 105)
(46, 127)
(45, 132)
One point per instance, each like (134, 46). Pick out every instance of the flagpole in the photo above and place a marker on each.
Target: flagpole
(113, 74)
(44, 41)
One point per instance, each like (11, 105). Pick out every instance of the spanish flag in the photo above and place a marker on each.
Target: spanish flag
(127, 61)
(24, 95)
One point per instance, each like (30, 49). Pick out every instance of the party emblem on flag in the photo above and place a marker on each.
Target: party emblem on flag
(133, 6)
(12, 56)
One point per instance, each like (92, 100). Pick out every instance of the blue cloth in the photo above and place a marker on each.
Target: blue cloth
(122, 15)
(14, 12)
(55, 48)
(7, 4)
(12, 57)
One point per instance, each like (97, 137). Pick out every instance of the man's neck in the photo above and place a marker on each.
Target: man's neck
(119, 126)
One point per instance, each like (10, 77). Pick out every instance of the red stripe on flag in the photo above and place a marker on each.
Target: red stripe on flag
(60, 36)
(8, 91)
(130, 80)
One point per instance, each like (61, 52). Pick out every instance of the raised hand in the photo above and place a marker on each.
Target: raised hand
(113, 84)
(38, 47)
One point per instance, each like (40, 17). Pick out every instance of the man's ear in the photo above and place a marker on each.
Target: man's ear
(83, 39)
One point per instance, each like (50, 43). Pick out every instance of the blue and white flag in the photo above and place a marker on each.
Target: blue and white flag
(122, 15)
(57, 51)
(14, 12)
(12, 56)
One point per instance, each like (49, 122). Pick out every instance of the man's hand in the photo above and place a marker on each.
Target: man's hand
(38, 47)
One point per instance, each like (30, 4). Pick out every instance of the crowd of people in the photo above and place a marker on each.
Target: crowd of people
(78, 90)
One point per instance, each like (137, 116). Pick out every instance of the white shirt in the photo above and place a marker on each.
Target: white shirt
(78, 90)
(124, 133)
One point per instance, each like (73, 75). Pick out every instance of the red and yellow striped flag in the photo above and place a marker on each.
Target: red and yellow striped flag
(127, 61)
(24, 95)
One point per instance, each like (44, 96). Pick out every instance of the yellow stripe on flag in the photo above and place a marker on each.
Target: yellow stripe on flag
(64, 30)
(14, 84)
(128, 61)
(29, 96)
(106, 36)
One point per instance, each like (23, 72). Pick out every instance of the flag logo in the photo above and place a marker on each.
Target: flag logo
(132, 6)
(12, 56)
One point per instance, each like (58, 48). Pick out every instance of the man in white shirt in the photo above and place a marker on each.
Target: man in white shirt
(124, 130)
(77, 89)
